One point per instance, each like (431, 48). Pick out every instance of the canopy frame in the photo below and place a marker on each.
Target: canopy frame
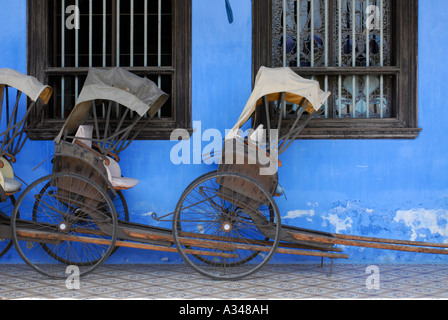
(14, 136)
(302, 114)
(115, 142)
(281, 85)
(140, 98)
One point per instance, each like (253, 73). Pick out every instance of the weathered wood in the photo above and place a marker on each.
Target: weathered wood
(349, 71)
(96, 153)
(268, 229)
(39, 236)
(5, 231)
(230, 244)
(50, 237)
(250, 241)
(70, 71)
(366, 244)
(227, 246)
(392, 241)
(312, 253)
(145, 246)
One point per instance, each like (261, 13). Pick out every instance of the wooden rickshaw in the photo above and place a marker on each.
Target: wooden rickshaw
(70, 217)
(235, 206)
(226, 224)
(17, 87)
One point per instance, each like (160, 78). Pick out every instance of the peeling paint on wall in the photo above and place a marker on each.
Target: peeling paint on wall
(341, 216)
(299, 214)
(423, 220)
(340, 224)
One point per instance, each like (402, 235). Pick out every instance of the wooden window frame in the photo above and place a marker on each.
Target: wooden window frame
(39, 66)
(404, 123)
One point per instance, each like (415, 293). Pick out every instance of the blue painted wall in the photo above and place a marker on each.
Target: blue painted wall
(393, 189)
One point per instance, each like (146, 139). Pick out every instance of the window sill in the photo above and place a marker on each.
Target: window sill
(344, 129)
(147, 134)
(358, 133)
(351, 129)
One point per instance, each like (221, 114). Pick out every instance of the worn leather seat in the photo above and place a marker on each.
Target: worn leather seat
(113, 169)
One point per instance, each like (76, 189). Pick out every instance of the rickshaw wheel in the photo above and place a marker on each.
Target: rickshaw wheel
(6, 211)
(65, 220)
(121, 206)
(222, 233)
(121, 209)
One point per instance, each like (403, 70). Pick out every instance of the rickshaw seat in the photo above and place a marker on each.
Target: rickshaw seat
(84, 135)
(115, 177)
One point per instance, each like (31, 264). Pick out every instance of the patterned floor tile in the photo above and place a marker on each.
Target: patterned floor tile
(279, 282)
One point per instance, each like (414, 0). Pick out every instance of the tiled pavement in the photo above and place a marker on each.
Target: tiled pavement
(276, 282)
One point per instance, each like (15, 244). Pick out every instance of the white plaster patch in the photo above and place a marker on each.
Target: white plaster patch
(299, 214)
(315, 204)
(418, 219)
(339, 223)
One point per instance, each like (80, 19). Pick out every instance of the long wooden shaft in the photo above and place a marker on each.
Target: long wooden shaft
(254, 245)
(61, 237)
(250, 241)
(391, 241)
(312, 253)
(365, 244)
(171, 249)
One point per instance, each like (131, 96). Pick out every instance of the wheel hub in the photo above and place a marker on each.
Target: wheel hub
(227, 226)
(63, 227)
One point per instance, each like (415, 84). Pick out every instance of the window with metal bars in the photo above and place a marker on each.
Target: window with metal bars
(363, 51)
(151, 38)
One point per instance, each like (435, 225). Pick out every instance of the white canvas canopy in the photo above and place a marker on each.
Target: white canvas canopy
(273, 81)
(140, 95)
(26, 84)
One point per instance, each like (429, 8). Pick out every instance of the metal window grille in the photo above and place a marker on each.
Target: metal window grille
(133, 34)
(345, 45)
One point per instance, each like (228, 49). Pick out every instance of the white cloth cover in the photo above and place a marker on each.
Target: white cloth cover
(85, 131)
(26, 84)
(274, 80)
(140, 95)
(12, 185)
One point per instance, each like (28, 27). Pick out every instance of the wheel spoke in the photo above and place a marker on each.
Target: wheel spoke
(208, 209)
(5, 212)
(55, 226)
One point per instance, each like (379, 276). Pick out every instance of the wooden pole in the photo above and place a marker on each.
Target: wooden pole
(390, 241)
(38, 235)
(229, 244)
(362, 242)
